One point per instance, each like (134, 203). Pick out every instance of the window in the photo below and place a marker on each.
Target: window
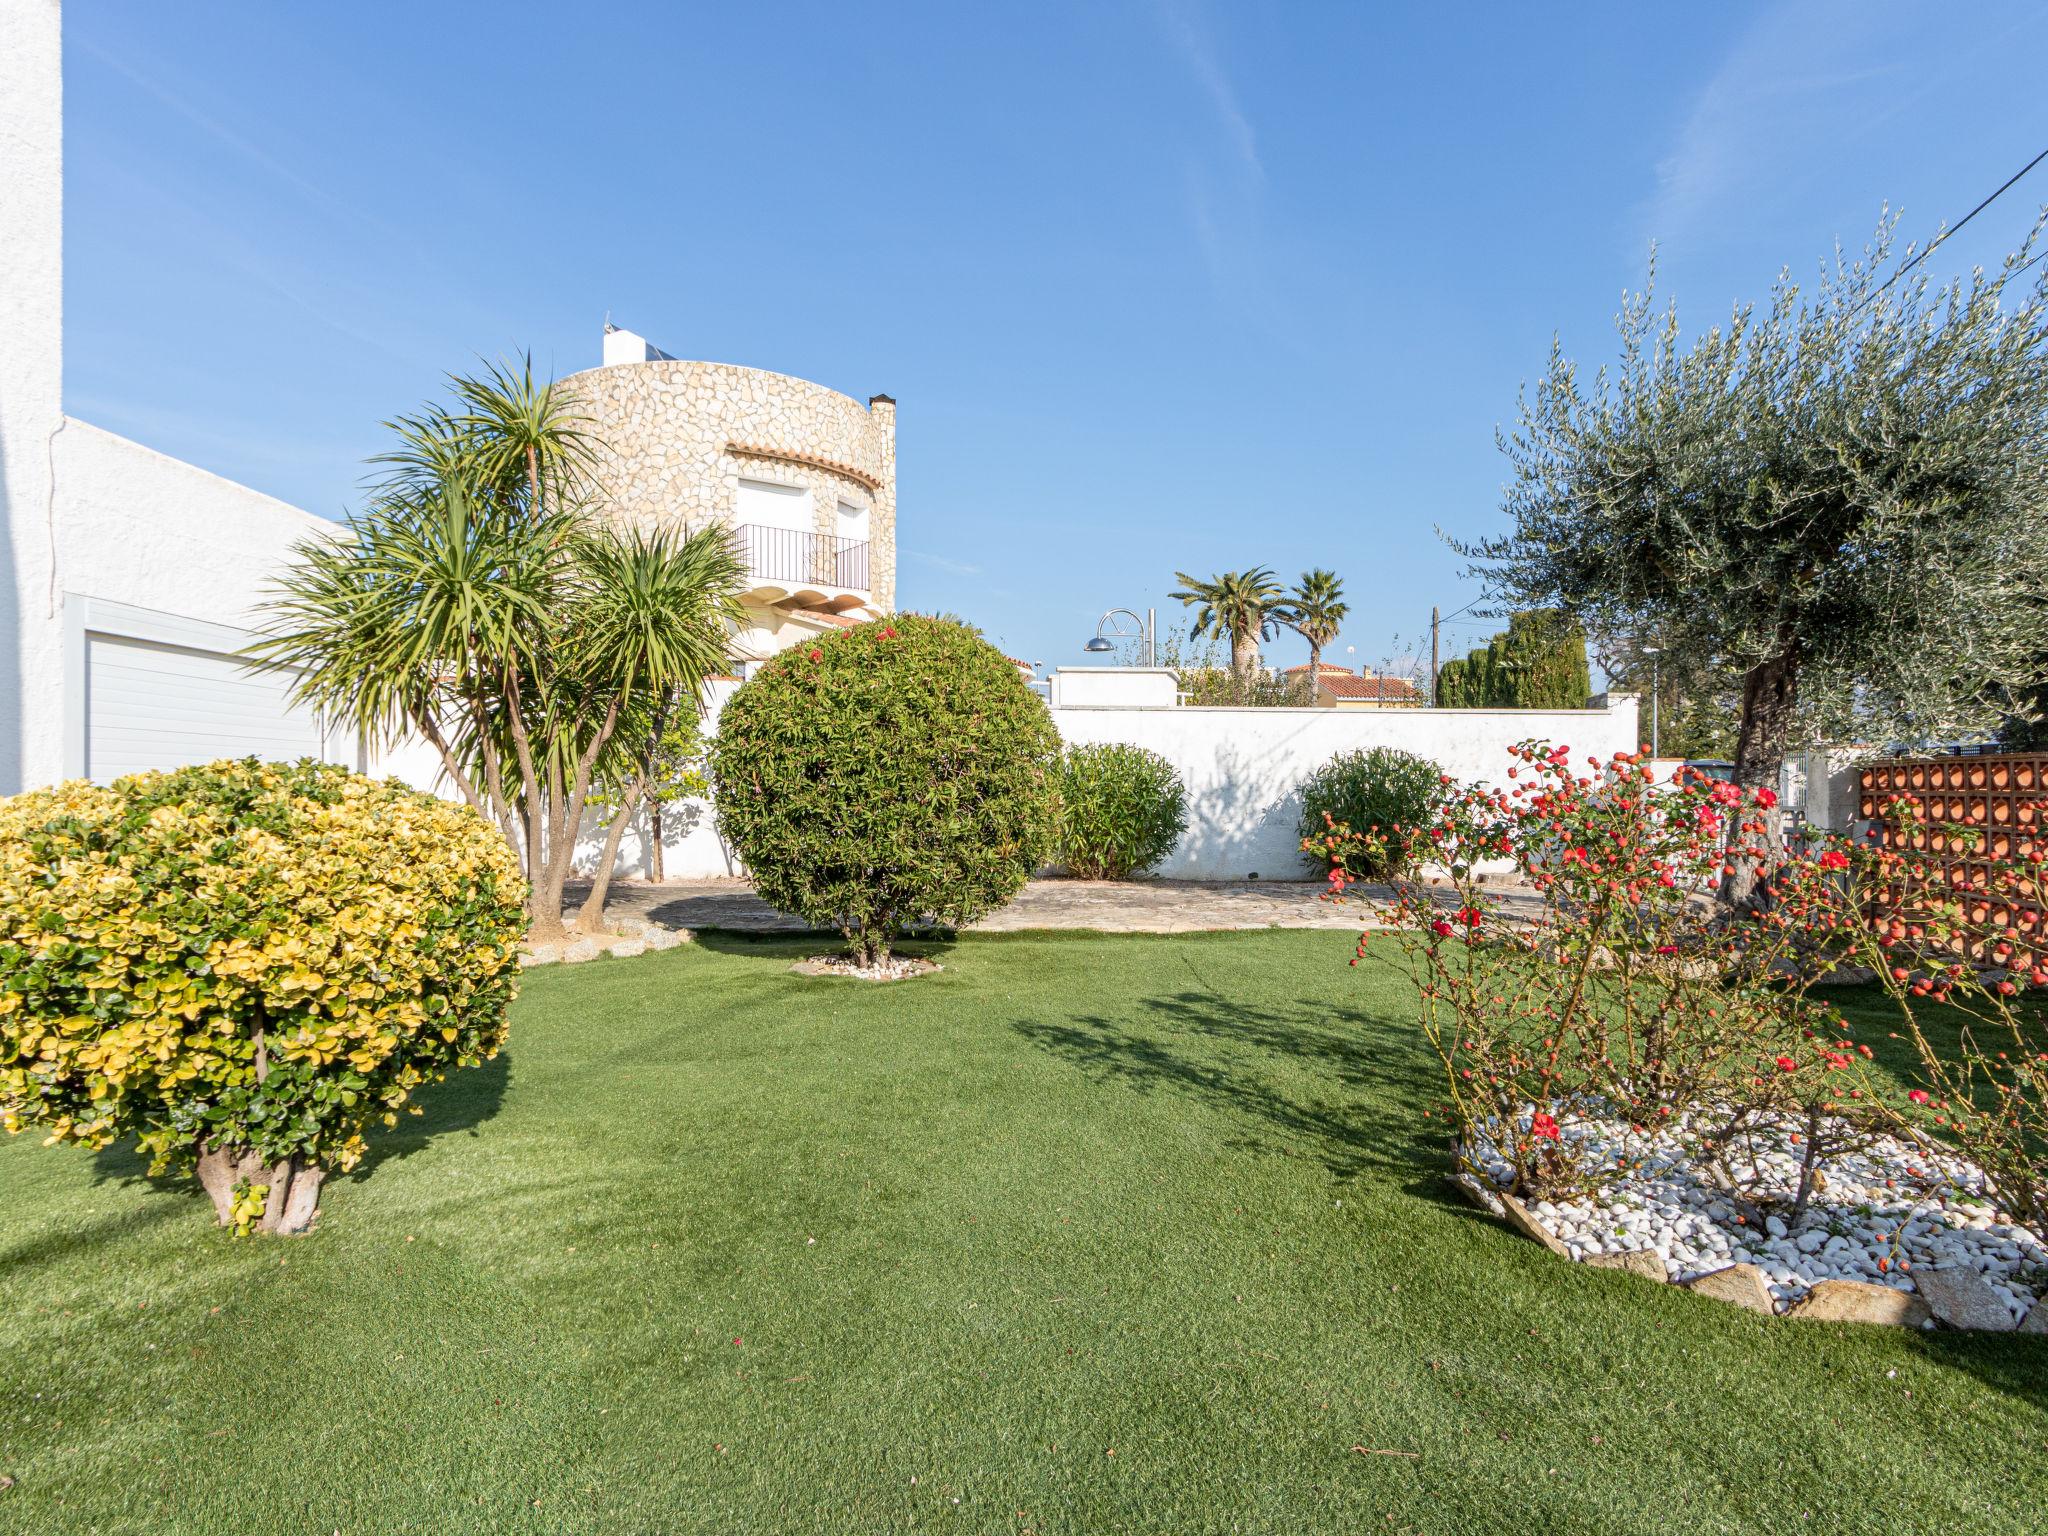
(762, 504)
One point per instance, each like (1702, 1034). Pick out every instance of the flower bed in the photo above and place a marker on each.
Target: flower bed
(1888, 1213)
(1708, 1114)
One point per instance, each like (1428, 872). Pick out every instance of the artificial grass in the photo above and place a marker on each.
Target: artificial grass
(1083, 1234)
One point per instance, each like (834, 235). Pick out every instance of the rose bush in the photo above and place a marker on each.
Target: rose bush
(248, 965)
(1625, 993)
(1958, 939)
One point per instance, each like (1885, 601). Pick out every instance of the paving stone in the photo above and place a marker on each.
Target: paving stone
(1743, 1285)
(1104, 906)
(1857, 1301)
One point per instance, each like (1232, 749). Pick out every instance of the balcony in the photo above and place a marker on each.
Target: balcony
(794, 563)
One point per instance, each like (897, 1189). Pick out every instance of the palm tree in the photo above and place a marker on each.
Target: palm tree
(1316, 610)
(479, 603)
(1243, 606)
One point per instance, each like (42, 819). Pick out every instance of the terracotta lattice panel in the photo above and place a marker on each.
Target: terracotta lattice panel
(1958, 821)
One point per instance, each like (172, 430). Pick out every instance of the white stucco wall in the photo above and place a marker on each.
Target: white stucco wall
(1243, 768)
(84, 513)
(31, 362)
(1113, 687)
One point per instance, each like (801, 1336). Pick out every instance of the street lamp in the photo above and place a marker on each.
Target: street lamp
(1147, 632)
(1653, 651)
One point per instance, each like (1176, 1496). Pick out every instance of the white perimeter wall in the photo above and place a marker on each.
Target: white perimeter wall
(1243, 768)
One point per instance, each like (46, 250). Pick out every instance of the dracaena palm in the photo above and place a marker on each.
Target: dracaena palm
(1241, 606)
(1316, 611)
(513, 633)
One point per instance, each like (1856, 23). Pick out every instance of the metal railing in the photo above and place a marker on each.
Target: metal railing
(793, 555)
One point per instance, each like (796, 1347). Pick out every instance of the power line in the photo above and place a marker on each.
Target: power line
(1939, 239)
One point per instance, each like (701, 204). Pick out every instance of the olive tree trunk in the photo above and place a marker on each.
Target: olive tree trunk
(1769, 696)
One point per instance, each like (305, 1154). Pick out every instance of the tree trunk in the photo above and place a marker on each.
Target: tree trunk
(220, 1171)
(656, 863)
(1770, 692)
(1244, 656)
(290, 1203)
(1315, 662)
(293, 1200)
(591, 918)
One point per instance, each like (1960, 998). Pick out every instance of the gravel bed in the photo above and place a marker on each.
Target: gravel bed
(1889, 1209)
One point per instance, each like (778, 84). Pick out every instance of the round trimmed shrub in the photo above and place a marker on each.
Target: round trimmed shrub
(247, 965)
(1384, 795)
(886, 777)
(1120, 811)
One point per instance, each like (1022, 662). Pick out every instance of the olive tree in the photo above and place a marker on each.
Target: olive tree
(1838, 498)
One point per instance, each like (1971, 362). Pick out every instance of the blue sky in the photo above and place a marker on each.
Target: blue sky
(1158, 284)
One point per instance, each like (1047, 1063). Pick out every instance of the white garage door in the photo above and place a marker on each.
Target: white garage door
(164, 706)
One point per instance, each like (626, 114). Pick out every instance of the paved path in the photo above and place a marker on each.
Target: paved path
(1105, 906)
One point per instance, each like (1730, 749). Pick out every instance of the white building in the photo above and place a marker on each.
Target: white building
(128, 580)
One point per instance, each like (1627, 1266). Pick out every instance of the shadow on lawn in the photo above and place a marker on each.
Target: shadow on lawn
(805, 946)
(1244, 1049)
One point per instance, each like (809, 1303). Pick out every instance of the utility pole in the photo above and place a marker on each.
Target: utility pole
(1435, 622)
(1654, 652)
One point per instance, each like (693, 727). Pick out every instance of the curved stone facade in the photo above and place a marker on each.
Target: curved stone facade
(676, 438)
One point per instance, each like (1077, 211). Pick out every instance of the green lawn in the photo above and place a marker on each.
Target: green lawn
(1082, 1235)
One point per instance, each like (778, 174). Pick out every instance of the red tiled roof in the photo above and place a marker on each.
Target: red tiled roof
(820, 616)
(1329, 668)
(1382, 689)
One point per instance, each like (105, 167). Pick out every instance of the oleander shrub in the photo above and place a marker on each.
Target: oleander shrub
(885, 778)
(249, 966)
(1364, 814)
(1121, 809)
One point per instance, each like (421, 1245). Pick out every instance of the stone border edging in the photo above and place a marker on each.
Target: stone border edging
(1953, 1298)
(632, 935)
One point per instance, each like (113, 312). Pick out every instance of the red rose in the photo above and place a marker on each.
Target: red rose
(816, 654)
(1787, 1064)
(1543, 1126)
(1918, 1095)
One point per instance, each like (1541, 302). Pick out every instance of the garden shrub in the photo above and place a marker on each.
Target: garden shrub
(1121, 809)
(247, 965)
(1624, 994)
(1363, 813)
(886, 777)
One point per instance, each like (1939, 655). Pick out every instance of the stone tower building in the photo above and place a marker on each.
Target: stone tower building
(803, 475)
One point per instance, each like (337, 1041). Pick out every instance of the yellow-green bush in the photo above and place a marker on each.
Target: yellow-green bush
(248, 965)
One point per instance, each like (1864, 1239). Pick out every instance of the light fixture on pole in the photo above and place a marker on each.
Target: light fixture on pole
(1106, 635)
(1653, 651)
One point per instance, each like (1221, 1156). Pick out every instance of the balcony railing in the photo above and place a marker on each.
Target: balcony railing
(792, 556)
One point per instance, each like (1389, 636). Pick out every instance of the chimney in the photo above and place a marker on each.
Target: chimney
(623, 346)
